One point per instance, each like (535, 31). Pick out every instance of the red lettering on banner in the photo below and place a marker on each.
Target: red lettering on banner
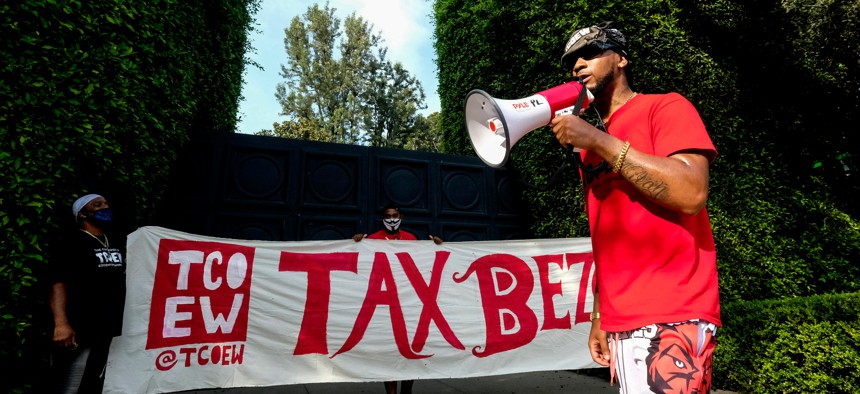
(428, 293)
(549, 289)
(203, 360)
(201, 293)
(198, 356)
(587, 261)
(381, 290)
(188, 352)
(313, 333)
(505, 283)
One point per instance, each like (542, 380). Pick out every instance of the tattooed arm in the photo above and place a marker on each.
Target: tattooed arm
(679, 181)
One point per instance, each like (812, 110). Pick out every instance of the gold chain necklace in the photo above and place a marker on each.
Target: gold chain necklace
(604, 126)
(629, 98)
(106, 242)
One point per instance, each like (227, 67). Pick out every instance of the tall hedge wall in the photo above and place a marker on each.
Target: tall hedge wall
(778, 86)
(783, 228)
(98, 96)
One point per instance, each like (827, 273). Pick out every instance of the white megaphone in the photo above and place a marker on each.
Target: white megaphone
(495, 125)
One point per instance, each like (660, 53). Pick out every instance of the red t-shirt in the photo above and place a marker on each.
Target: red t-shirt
(654, 264)
(399, 235)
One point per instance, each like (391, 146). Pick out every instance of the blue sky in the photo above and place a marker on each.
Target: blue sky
(405, 25)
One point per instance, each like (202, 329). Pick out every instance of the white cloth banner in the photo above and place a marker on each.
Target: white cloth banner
(204, 312)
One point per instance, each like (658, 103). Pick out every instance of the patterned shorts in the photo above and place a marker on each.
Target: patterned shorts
(664, 358)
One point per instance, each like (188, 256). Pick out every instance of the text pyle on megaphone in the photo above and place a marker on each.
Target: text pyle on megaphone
(495, 125)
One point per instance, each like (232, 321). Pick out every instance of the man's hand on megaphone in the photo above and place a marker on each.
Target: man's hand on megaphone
(574, 132)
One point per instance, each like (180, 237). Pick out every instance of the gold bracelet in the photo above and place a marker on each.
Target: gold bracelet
(621, 157)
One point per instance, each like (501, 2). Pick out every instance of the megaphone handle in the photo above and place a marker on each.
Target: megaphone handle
(576, 108)
(581, 99)
(576, 158)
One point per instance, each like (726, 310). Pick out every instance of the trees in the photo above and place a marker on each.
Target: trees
(427, 135)
(300, 129)
(354, 96)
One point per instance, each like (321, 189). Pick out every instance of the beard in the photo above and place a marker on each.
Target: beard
(600, 84)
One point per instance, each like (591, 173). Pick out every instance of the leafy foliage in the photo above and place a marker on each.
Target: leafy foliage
(358, 96)
(426, 136)
(800, 345)
(98, 96)
(777, 85)
(300, 129)
(781, 226)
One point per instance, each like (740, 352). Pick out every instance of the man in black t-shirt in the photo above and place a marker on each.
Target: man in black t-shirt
(87, 298)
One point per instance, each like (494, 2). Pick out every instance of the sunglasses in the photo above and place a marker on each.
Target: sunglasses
(589, 52)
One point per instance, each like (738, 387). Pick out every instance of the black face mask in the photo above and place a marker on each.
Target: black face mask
(102, 217)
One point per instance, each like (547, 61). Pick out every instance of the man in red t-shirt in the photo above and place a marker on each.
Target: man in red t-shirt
(391, 220)
(645, 174)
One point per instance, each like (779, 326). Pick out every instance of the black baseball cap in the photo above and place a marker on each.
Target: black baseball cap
(590, 41)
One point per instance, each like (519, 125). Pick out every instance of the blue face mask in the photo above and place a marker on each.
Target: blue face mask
(103, 216)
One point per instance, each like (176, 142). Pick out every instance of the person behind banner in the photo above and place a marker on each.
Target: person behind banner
(392, 218)
(391, 221)
(87, 297)
(645, 175)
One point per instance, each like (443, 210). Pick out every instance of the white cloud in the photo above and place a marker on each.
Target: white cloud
(405, 25)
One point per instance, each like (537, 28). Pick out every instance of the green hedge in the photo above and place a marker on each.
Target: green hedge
(756, 72)
(800, 345)
(781, 228)
(98, 96)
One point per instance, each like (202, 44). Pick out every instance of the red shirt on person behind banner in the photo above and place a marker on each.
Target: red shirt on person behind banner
(654, 264)
(399, 235)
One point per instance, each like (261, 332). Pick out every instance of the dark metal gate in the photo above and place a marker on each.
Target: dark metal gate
(252, 187)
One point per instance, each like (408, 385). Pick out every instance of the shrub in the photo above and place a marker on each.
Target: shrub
(98, 96)
(798, 345)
